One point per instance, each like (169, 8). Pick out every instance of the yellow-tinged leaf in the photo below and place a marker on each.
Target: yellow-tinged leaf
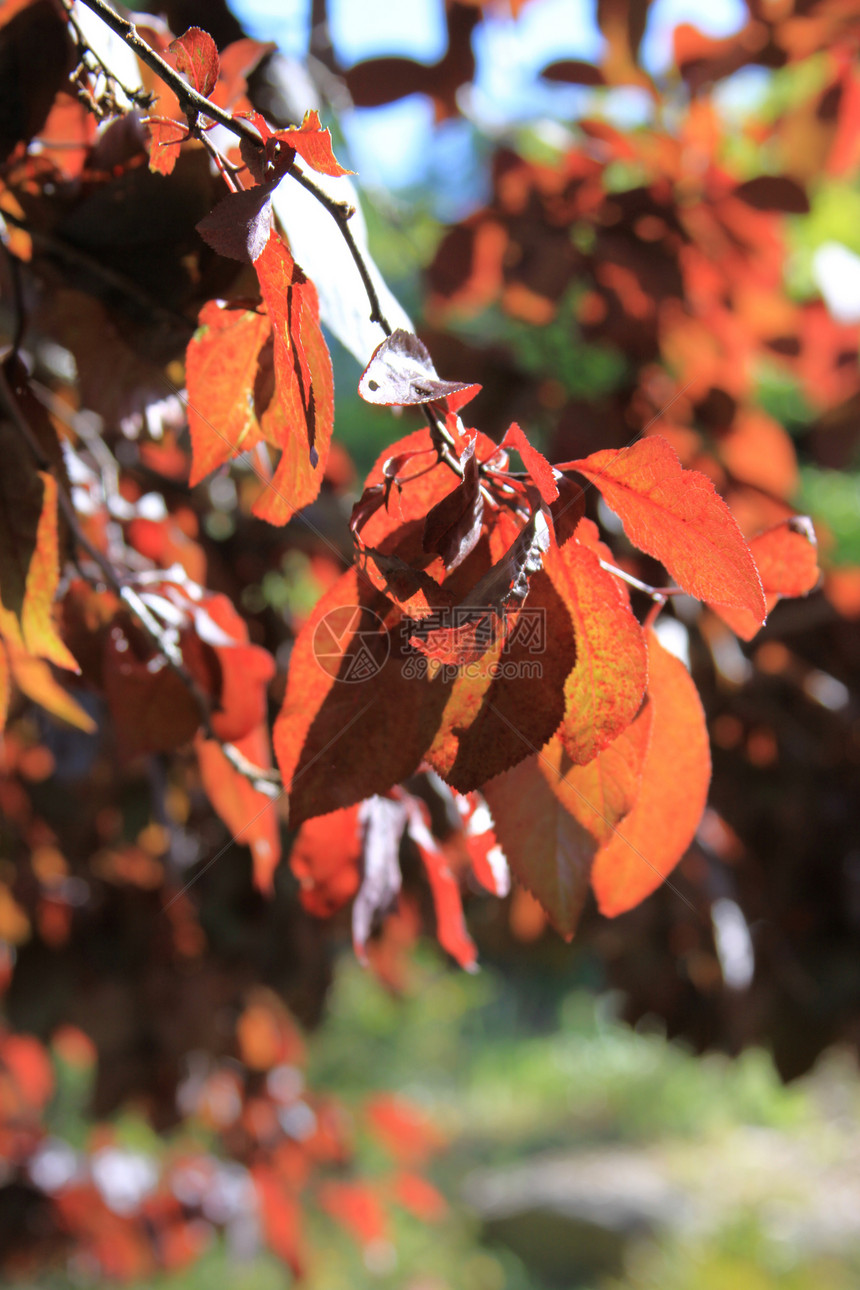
(672, 794)
(37, 625)
(34, 678)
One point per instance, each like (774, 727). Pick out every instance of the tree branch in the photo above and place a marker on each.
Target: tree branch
(195, 105)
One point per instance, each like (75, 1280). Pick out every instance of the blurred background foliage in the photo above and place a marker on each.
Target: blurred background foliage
(614, 1113)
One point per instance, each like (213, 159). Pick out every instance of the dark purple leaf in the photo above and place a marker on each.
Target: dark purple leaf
(239, 226)
(453, 526)
(401, 372)
(774, 193)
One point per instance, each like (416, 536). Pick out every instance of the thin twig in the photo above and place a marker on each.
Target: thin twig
(195, 105)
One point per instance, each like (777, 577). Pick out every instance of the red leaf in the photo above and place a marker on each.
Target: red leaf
(221, 371)
(250, 816)
(401, 372)
(419, 1197)
(240, 701)
(450, 924)
(604, 691)
(346, 692)
(535, 462)
(787, 559)
(453, 526)
(281, 1217)
(672, 794)
(549, 851)
(313, 144)
(356, 1207)
(677, 516)
(300, 415)
(240, 225)
(195, 54)
(325, 860)
(151, 706)
(486, 857)
(403, 1130)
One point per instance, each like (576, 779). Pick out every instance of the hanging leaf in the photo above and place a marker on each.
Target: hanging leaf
(325, 860)
(549, 851)
(384, 821)
(677, 516)
(787, 560)
(300, 416)
(453, 526)
(401, 372)
(535, 463)
(450, 924)
(250, 816)
(600, 794)
(672, 795)
(604, 691)
(313, 144)
(221, 368)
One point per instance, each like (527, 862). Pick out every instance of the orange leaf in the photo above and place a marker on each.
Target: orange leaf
(221, 370)
(250, 816)
(34, 678)
(672, 795)
(325, 860)
(27, 1061)
(604, 691)
(450, 924)
(602, 792)
(281, 1218)
(787, 559)
(677, 516)
(313, 144)
(43, 576)
(535, 462)
(300, 415)
(356, 1207)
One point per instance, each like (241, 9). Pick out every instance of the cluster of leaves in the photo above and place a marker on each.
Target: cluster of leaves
(480, 649)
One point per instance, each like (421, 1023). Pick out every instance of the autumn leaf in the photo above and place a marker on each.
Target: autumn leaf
(787, 560)
(325, 860)
(672, 794)
(221, 371)
(604, 691)
(313, 144)
(195, 55)
(250, 816)
(300, 415)
(600, 793)
(549, 852)
(535, 462)
(677, 516)
(401, 372)
(450, 924)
